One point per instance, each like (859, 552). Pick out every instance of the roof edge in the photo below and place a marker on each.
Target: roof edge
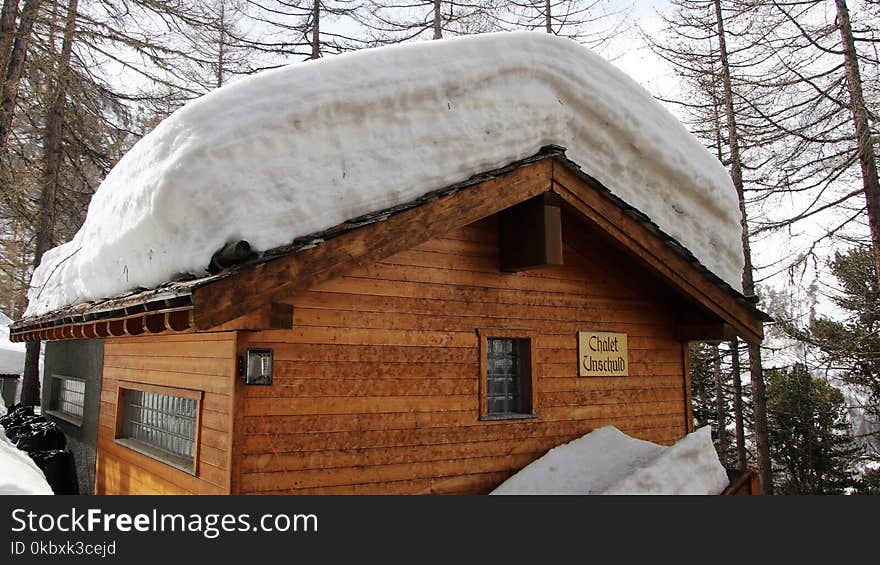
(177, 296)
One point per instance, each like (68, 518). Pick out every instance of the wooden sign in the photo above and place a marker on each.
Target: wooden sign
(602, 354)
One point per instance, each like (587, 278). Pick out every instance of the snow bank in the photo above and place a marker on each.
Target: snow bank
(18, 472)
(607, 461)
(302, 148)
(11, 354)
(691, 466)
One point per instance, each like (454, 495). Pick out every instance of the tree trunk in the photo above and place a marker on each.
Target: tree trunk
(438, 27)
(52, 151)
(756, 371)
(867, 160)
(15, 68)
(8, 17)
(720, 413)
(759, 404)
(704, 403)
(547, 17)
(221, 47)
(737, 406)
(316, 30)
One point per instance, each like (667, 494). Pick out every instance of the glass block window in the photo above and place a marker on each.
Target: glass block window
(507, 371)
(161, 425)
(68, 396)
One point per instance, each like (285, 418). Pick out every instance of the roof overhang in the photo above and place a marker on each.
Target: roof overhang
(228, 300)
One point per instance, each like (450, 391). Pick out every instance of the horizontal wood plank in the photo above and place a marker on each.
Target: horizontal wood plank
(203, 368)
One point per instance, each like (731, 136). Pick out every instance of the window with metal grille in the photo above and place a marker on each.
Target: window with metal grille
(67, 400)
(161, 425)
(508, 374)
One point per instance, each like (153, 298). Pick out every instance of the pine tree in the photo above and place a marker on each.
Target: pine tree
(851, 347)
(712, 396)
(812, 445)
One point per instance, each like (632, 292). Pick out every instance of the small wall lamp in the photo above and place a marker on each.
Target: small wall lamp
(258, 367)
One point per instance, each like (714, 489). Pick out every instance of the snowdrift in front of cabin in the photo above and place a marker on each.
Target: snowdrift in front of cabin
(296, 150)
(18, 472)
(607, 461)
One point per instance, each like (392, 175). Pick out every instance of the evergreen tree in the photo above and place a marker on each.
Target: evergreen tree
(869, 483)
(851, 347)
(713, 394)
(812, 447)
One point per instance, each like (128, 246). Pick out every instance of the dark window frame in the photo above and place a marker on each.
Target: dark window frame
(531, 380)
(55, 385)
(146, 449)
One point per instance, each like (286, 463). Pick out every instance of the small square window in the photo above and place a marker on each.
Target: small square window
(507, 390)
(160, 422)
(67, 398)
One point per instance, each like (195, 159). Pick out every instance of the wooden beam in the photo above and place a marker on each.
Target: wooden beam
(635, 238)
(229, 298)
(272, 316)
(688, 393)
(530, 236)
(705, 332)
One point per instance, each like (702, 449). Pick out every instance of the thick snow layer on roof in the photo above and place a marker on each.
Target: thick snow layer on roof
(296, 150)
(607, 461)
(18, 472)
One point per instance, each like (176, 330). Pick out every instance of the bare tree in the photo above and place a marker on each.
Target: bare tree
(302, 29)
(823, 120)
(13, 52)
(398, 21)
(591, 22)
(698, 47)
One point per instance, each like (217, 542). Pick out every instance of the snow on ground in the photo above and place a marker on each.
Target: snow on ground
(299, 149)
(18, 472)
(607, 461)
(11, 354)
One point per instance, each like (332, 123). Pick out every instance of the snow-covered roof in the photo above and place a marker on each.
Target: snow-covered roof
(607, 461)
(302, 148)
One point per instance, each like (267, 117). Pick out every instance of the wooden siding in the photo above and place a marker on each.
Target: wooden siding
(201, 362)
(376, 386)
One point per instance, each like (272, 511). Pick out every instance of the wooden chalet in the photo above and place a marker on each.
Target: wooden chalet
(437, 347)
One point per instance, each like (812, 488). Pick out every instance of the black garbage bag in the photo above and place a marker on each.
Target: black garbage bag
(21, 427)
(16, 413)
(38, 436)
(60, 469)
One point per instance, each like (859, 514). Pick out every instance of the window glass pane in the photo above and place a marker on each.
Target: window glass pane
(161, 421)
(68, 396)
(506, 373)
